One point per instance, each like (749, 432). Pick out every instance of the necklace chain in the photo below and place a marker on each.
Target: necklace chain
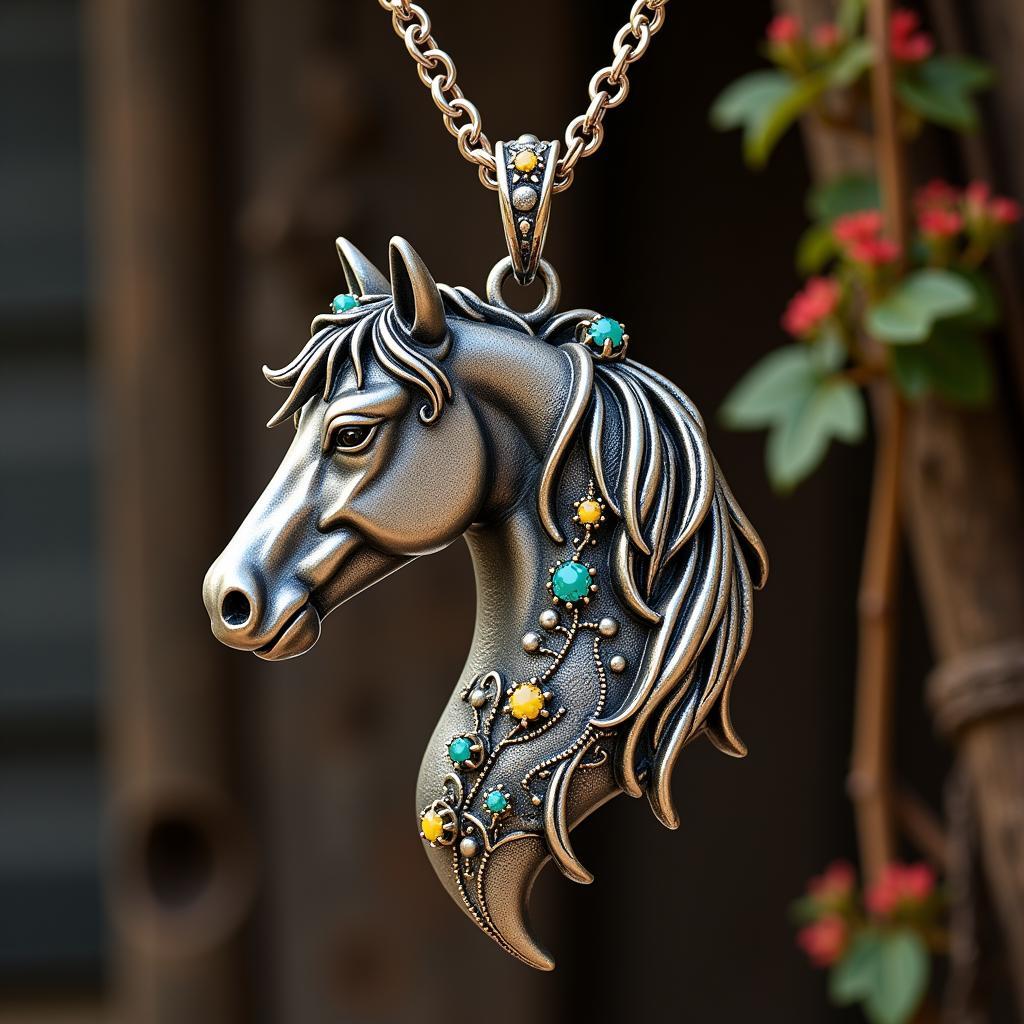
(583, 135)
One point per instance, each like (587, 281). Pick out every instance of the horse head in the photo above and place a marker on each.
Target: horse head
(614, 567)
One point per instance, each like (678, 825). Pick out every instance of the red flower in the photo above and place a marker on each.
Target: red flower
(938, 223)
(898, 887)
(857, 227)
(827, 36)
(783, 29)
(874, 252)
(809, 308)
(1004, 211)
(834, 885)
(860, 235)
(906, 43)
(824, 941)
(937, 193)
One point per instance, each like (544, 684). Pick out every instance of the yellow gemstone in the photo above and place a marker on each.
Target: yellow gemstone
(432, 826)
(589, 511)
(525, 160)
(526, 702)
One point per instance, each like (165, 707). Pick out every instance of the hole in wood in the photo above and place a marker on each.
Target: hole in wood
(178, 857)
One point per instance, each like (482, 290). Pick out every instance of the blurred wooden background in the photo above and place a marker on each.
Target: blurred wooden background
(188, 833)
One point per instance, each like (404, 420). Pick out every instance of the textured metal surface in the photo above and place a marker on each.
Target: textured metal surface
(425, 414)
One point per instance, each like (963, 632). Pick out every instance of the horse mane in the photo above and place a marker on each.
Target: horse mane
(337, 335)
(685, 559)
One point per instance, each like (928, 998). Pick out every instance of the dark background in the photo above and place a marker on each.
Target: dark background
(208, 838)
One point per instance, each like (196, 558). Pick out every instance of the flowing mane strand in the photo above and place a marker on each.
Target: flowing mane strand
(335, 336)
(684, 559)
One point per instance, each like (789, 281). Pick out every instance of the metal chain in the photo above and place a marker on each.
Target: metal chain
(584, 134)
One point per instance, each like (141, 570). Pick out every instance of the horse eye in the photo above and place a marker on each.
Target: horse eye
(353, 438)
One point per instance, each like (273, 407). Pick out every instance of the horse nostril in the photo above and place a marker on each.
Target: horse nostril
(235, 608)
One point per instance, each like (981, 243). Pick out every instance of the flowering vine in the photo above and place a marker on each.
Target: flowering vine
(908, 315)
(867, 310)
(875, 944)
(823, 72)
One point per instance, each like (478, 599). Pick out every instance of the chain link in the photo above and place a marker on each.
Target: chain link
(608, 88)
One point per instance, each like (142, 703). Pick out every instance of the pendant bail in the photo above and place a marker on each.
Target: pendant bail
(526, 173)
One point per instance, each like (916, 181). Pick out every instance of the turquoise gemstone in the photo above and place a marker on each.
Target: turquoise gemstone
(343, 303)
(459, 750)
(571, 581)
(496, 801)
(605, 329)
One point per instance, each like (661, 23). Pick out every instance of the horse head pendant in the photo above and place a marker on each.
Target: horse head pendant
(614, 568)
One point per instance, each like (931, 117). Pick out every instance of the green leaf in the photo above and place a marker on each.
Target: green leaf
(816, 247)
(954, 364)
(828, 350)
(847, 194)
(908, 313)
(986, 313)
(900, 978)
(796, 446)
(852, 979)
(852, 61)
(770, 390)
(764, 104)
(940, 90)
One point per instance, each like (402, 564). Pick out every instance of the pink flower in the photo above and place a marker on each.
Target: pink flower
(857, 227)
(834, 885)
(827, 36)
(984, 209)
(906, 43)
(976, 197)
(900, 887)
(783, 29)
(937, 223)
(824, 941)
(809, 308)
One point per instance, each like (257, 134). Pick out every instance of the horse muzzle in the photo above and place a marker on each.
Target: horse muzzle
(243, 617)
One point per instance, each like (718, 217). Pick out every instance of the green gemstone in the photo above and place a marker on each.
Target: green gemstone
(343, 303)
(459, 750)
(571, 581)
(496, 801)
(605, 329)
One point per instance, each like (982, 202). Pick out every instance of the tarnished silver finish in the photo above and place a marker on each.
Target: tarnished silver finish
(526, 172)
(584, 134)
(424, 414)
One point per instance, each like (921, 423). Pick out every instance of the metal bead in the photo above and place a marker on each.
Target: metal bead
(469, 847)
(524, 198)
(477, 697)
(548, 618)
(608, 627)
(531, 641)
(617, 663)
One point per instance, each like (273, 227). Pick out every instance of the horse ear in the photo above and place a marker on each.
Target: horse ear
(361, 276)
(417, 300)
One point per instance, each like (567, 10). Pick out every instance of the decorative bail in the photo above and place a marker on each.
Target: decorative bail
(525, 172)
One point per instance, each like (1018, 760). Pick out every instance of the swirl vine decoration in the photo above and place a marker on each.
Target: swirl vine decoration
(511, 714)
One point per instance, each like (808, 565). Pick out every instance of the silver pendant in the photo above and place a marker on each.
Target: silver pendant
(614, 567)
